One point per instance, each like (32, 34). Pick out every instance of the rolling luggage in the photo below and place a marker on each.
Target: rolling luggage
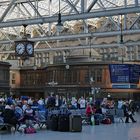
(63, 122)
(52, 122)
(75, 123)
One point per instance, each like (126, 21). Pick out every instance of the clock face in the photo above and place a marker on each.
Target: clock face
(30, 49)
(20, 48)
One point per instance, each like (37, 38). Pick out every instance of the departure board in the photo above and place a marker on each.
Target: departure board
(124, 73)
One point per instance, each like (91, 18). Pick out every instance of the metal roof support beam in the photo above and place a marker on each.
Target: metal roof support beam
(136, 3)
(125, 17)
(112, 12)
(91, 5)
(25, 1)
(72, 6)
(99, 34)
(83, 6)
(69, 37)
(80, 47)
(101, 4)
(36, 11)
(134, 22)
(50, 14)
(4, 3)
(38, 25)
(7, 10)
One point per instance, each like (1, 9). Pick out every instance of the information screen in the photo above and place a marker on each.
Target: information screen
(124, 73)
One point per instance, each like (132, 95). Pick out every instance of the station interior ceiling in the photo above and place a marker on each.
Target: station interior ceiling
(81, 19)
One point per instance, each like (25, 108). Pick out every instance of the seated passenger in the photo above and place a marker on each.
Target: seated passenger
(89, 110)
(29, 117)
(18, 112)
(9, 116)
(29, 113)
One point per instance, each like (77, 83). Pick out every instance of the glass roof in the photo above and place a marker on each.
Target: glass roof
(29, 9)
(33, 8)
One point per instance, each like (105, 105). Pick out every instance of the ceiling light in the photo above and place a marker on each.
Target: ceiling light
(59, 25)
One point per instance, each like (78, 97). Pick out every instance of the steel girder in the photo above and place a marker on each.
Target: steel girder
(81, 47)
(96, 14)
(67, 37)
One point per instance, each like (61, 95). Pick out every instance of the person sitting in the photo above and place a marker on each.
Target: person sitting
(29, 113)
(28, 118)
(18, 112)
(98, 114)
(89, 112)
(9, 115)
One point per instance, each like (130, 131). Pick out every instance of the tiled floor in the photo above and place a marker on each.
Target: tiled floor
(117, 131)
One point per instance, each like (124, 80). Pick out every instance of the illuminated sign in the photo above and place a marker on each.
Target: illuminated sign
(124, 73)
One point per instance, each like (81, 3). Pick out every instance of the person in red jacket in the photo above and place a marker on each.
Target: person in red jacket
(90, 109)
(89, 112)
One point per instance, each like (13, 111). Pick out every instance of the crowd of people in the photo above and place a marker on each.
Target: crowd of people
(19, 110)
(129, 107)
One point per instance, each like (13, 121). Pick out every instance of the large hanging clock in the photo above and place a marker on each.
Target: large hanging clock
(24, 48)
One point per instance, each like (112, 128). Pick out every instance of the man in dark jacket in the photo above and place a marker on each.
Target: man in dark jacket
(51, 101)
(128, 112)
(9, 116)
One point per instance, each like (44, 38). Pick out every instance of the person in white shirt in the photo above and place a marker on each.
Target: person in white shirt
(30, 101)
(74, 102)
(40, 101)
(120, 104)
(2, 100)
(24, 105)
(82, 103)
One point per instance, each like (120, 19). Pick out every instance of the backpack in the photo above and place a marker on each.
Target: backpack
(29, 130)
(106, 121)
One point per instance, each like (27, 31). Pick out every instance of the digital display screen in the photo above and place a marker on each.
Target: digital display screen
(124, 73)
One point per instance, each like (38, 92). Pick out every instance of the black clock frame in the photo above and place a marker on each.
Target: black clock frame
(25, 53)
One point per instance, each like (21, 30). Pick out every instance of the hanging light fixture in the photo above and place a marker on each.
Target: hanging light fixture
(24, 31)
(59, 24)
(121, 40)
(90, 47)
(121, 28)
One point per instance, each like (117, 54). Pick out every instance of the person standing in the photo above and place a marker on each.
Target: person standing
(82, 103)
(128, 112)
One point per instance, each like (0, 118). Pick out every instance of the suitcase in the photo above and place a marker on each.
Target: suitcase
(63, 122)
(52, 122)
(75, 123)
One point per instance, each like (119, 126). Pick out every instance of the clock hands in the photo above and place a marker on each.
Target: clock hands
(29, 49)
(24, 48)
(20, 48)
